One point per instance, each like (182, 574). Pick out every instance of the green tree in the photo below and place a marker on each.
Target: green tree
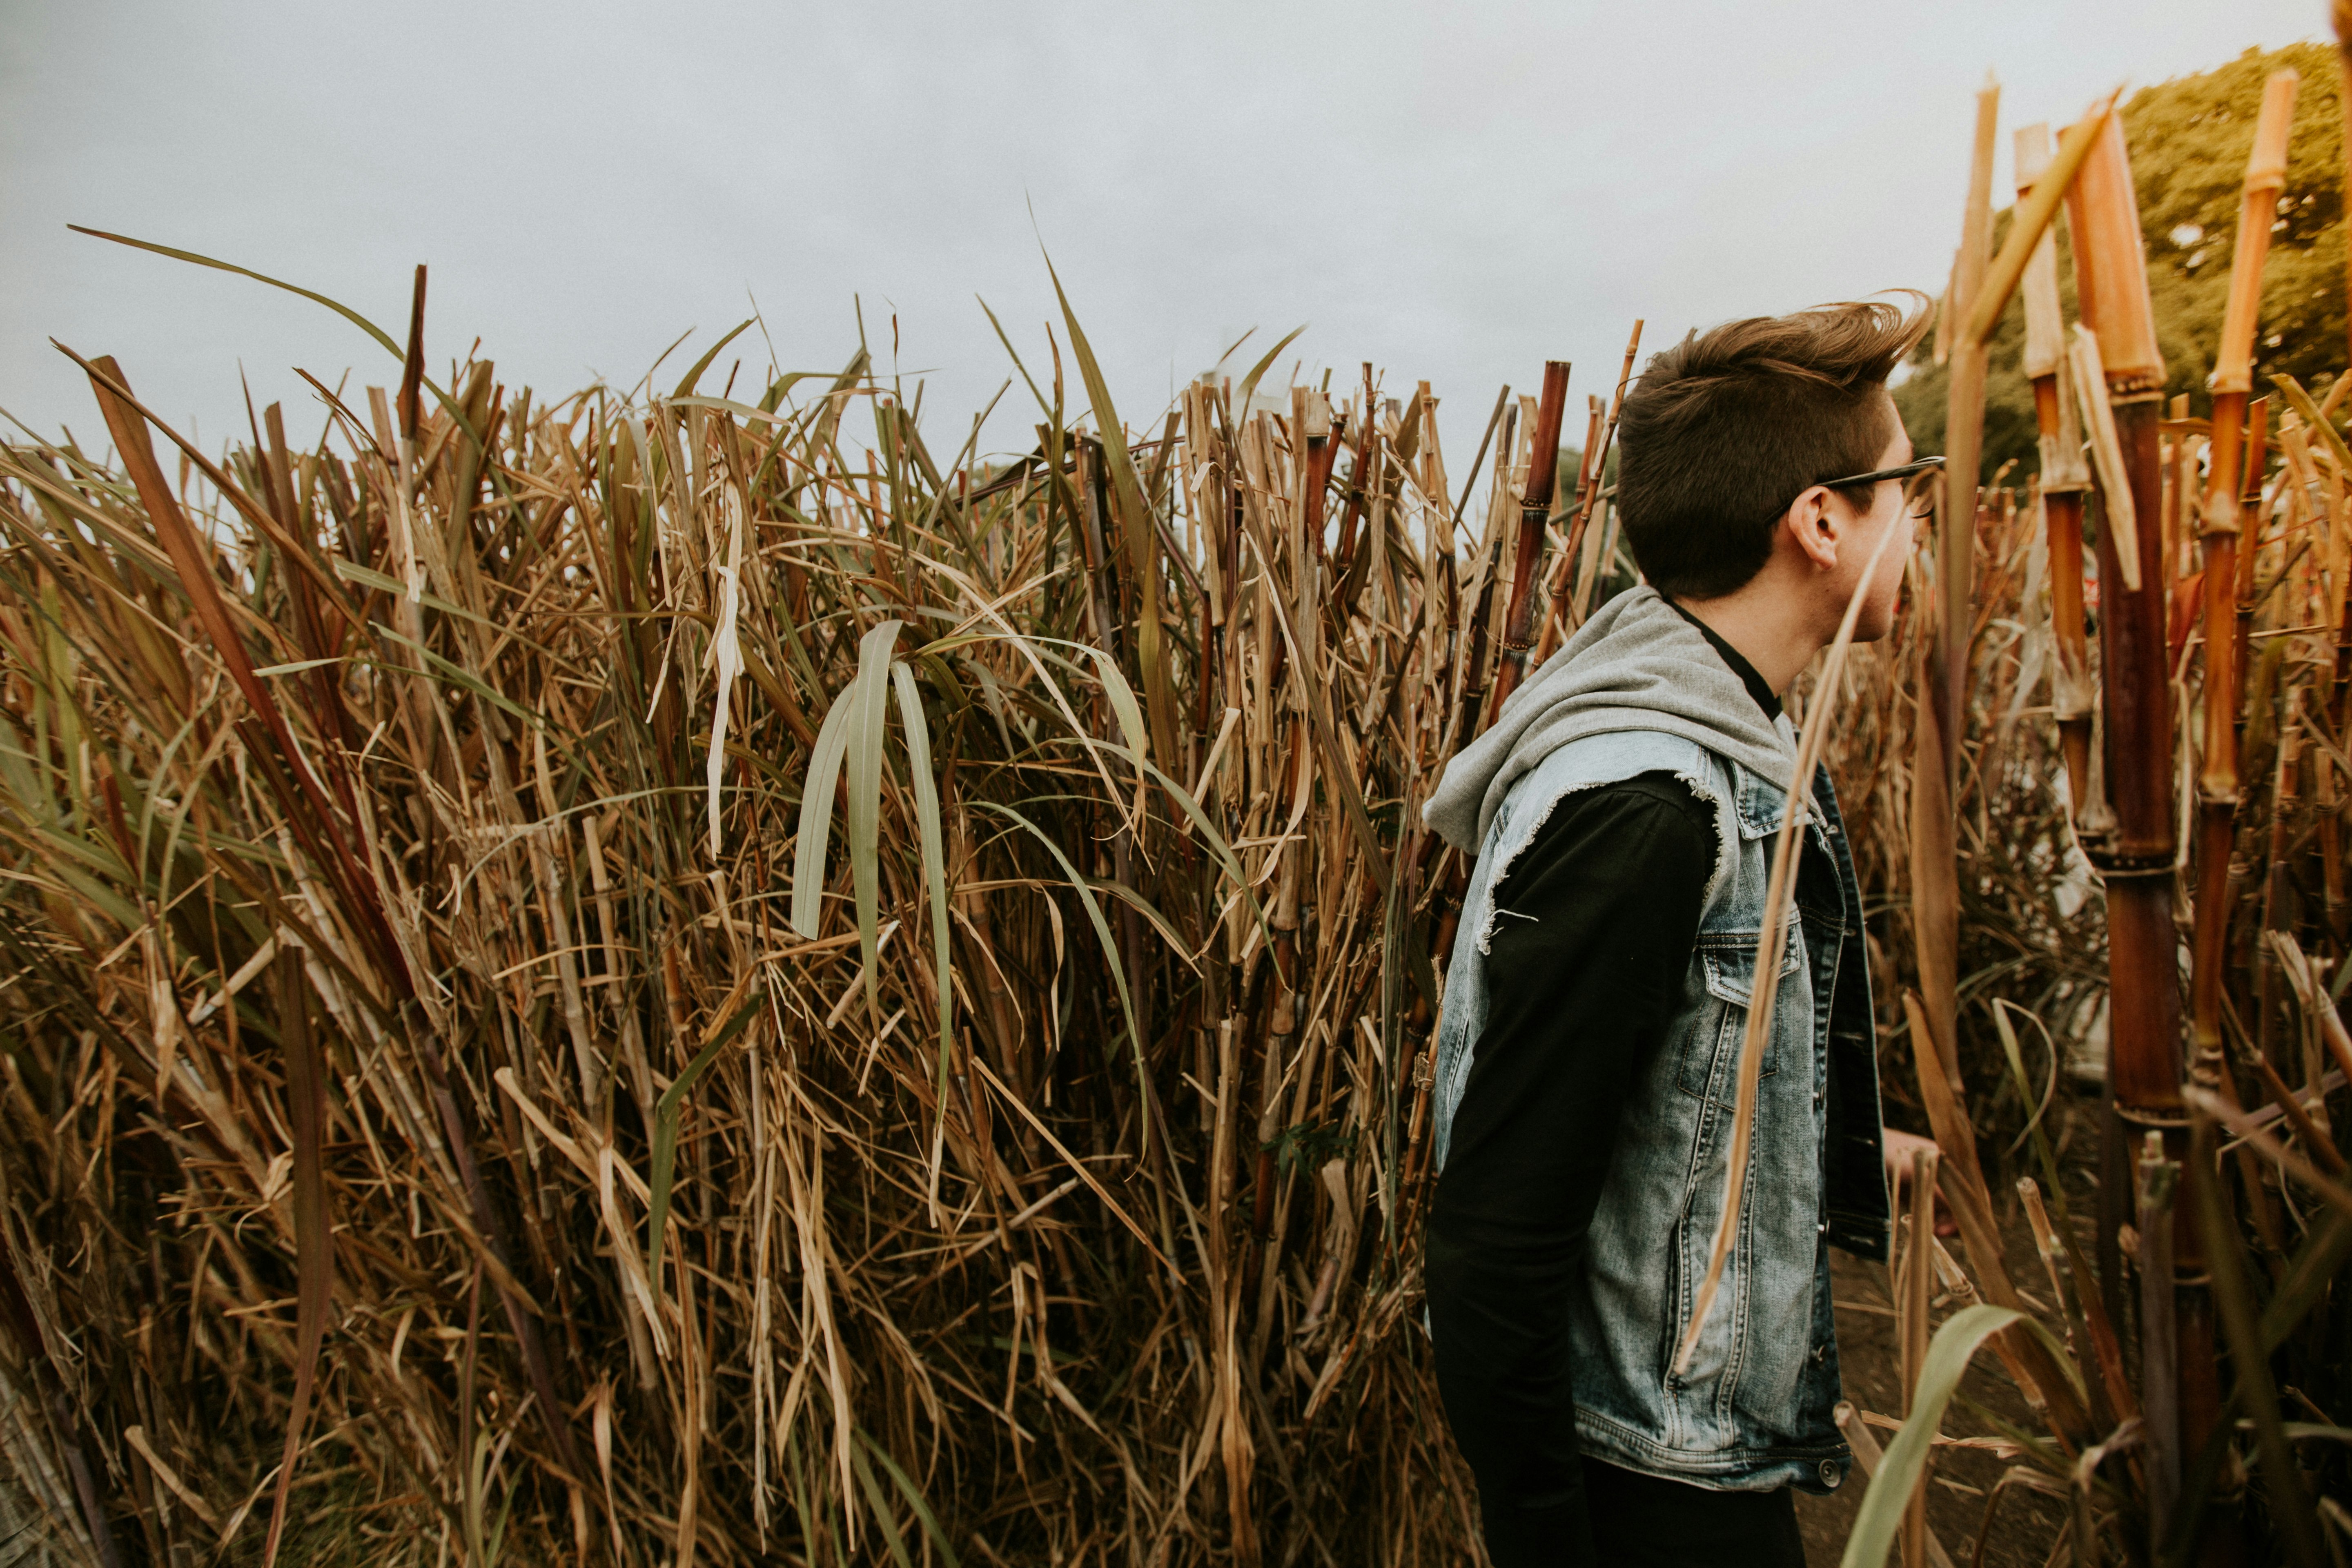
(2189, 139)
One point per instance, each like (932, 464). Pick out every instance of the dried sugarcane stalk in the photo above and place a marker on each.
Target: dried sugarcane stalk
(1534, 511)
(1471, 711)
(1934, 829)
(1565, 586)
(1461, 727)
(1943, 675)
(1595, 465)
(2063, 479)
(2144, 1057)
(1916, 1286)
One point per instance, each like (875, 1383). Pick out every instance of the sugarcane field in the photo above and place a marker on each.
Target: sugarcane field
(975, 951)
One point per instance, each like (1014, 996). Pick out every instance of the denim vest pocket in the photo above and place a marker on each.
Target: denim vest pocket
(1711, 1055)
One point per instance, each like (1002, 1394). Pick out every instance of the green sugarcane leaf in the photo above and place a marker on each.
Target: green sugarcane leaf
(863, 746)
(98, 895)
(1227, 861)
(458, 675)
(686, 382)
(817, 815)
(1102, 934)
(1249, 381)
(1017, 357)
(1123, 704)
(666, 1114)
(2010, 1046)
(1135, 517)
(907, 1490)
(879, 1502)
(1144, 906)
(2314, 1270)
(1954, 1345)
(935, 877)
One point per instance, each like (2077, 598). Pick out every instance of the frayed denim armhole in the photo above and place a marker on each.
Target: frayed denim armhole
(1584, 764)
(1694, 767)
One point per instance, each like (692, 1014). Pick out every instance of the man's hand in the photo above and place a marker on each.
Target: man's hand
(1900, 1147)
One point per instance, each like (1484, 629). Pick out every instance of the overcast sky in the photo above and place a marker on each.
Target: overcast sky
(1453, 192)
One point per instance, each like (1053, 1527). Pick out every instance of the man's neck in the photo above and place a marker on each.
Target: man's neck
(1777, 643)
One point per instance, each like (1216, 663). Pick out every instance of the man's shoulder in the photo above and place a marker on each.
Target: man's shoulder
(1650, 812)
(1607, 756)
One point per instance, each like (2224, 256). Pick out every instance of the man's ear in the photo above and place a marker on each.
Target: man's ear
(1814, 527)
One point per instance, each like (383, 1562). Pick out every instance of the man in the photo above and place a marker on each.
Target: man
(1624, 809)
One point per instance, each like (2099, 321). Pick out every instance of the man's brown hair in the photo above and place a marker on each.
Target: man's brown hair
(1728, 427)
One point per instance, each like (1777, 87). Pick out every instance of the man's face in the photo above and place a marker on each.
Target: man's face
(1889, 508)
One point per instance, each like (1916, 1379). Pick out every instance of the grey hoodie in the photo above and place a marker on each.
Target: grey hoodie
(1635, 665)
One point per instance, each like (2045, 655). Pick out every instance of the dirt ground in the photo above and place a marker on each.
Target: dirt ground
(2026, 1524)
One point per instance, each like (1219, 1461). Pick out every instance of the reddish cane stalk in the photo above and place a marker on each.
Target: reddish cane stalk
(2145, 1066)
(1534, 511)
(1474, 675)
(2224, 676)
(1568, 609)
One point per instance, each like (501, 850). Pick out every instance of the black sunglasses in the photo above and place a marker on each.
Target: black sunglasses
(1909, 470)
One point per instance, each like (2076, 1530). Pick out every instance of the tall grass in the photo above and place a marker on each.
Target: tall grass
(605, 978)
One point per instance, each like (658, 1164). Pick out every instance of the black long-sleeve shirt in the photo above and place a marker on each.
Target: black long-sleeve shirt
(1594, 929)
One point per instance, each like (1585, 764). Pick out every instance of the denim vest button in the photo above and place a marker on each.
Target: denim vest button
(1831, 1474)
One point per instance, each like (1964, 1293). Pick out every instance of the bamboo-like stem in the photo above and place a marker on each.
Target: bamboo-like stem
(2062, 482)
(2112, 283)
(2249, 513)
(2157, 1218)
(1534, 511)
(2217, 802)
(2144, 1056)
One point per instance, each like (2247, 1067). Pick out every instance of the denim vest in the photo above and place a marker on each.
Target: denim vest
(1752, 1412)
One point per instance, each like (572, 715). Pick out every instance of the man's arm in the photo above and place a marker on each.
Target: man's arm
(1593, 935)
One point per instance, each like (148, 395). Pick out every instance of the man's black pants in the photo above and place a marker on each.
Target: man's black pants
(1644, 1522)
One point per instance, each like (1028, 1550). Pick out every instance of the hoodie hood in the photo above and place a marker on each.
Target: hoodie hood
(1635, 665)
